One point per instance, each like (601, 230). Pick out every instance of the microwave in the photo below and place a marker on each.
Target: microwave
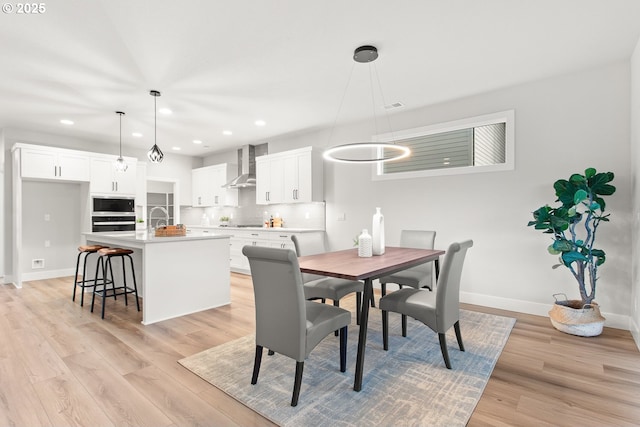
(113, 205)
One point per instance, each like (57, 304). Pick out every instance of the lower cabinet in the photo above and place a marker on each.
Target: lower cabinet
(272, 239)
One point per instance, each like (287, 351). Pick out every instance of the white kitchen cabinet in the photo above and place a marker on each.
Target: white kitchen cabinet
(269, 179)
(105, 179)
(206, 186)
(271, 238)
(294, 176)
(54, 164)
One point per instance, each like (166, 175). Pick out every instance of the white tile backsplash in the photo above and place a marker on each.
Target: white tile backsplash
(296, 215)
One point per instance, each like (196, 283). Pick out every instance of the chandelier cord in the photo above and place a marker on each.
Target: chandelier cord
(384, 103)
(344, 94)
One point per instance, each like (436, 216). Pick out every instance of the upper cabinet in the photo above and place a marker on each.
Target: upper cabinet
(269, 179)
(290, 177)
(206, 186)
(56, 164)
(105, 179)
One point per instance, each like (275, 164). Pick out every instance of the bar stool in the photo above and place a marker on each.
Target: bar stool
(85, 250)
(104, 260)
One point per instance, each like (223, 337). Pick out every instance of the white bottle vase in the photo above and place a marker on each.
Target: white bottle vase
(364, 244)
(378, 233)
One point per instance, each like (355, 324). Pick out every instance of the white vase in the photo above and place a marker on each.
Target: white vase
(377, 236)
(364, 244)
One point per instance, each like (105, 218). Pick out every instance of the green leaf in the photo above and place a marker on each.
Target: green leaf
(589, 172)
(562, 246)
(594, 206)
(579, 196)
(599, 184)
(552, 251)
(577, 179)
(569, 257)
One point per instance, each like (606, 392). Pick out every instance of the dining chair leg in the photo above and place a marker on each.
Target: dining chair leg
(343, 349)
(443, 347)
(456, 327)
(385, 330)
(404, 325)
(256, 364)
(297, 383)
(358, 306)
(383, 289)
(336, 303)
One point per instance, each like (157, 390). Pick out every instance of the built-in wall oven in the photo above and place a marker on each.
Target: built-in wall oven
(113, 214)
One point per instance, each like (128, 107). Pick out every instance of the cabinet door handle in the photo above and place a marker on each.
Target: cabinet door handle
(216, 202)
(59, 170)
(116, 185)
(55, 171)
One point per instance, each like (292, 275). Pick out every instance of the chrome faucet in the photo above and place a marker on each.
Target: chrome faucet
(159, 223)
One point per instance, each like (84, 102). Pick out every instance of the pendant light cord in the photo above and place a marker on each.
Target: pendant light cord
(386, 113)
(344, 94)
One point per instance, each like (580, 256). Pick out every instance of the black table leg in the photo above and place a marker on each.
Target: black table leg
(362, 339)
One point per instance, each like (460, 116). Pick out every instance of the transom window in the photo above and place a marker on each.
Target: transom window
(477, 144)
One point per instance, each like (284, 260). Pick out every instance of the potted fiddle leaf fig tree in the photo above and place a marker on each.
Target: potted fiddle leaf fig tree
(573, 226)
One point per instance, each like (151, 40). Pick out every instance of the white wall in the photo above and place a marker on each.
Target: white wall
(564, 124)
(3, 228)
(635, 185)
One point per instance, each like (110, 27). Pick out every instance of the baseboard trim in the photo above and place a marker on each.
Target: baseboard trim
(634, 328)
(617, 321)
(48, 274)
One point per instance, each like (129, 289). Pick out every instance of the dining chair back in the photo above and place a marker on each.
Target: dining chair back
(420, 276)
(439, 310)
(286, 323)
(322, 287)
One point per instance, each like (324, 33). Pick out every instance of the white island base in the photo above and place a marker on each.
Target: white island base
(175, 275)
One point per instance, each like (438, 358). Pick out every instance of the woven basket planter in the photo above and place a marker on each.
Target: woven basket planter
(571, 317)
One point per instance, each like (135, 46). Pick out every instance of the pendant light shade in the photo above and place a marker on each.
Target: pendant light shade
(121, 165)
(155, 154)
(366, 152)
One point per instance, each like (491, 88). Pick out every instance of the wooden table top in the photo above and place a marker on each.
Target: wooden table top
(347, 264)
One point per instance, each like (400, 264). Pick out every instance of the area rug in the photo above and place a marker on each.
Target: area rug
(408, 385)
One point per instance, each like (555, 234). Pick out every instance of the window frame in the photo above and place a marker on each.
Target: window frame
(507, 117)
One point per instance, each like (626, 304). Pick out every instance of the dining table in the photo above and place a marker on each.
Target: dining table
(347, 264)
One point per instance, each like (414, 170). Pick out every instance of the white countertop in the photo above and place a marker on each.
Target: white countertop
(232, 228)
(145, 237)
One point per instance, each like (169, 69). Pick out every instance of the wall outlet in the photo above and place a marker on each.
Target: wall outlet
(47, 217)
(37, 263)
(47, 243)
(341, 217)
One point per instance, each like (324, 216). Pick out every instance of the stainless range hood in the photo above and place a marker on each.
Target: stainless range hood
(246, 169)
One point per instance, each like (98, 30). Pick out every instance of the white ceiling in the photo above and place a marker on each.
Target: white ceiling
(221, 65)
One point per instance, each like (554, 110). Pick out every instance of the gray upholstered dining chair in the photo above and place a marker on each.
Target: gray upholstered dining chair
(322, 287)
(286, 322)
(438, 310)
(420, 276)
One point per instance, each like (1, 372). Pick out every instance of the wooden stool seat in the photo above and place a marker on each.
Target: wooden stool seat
(85, 250)
(104, 266)
(90, 248)
(114, 251)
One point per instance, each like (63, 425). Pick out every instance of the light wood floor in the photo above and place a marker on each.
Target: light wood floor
(62, 365)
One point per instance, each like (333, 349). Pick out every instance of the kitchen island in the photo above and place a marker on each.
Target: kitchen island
(175, 275)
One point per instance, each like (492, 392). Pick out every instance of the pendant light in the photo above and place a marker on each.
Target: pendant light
(121, 165)
(365, 152)
(154, 154)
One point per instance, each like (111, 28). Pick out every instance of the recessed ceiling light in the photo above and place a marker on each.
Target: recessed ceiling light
(137, 134)
(260, 123)
(176, 148)
(66, 122)
(227, 132)
(165, 111)
(197, 141)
